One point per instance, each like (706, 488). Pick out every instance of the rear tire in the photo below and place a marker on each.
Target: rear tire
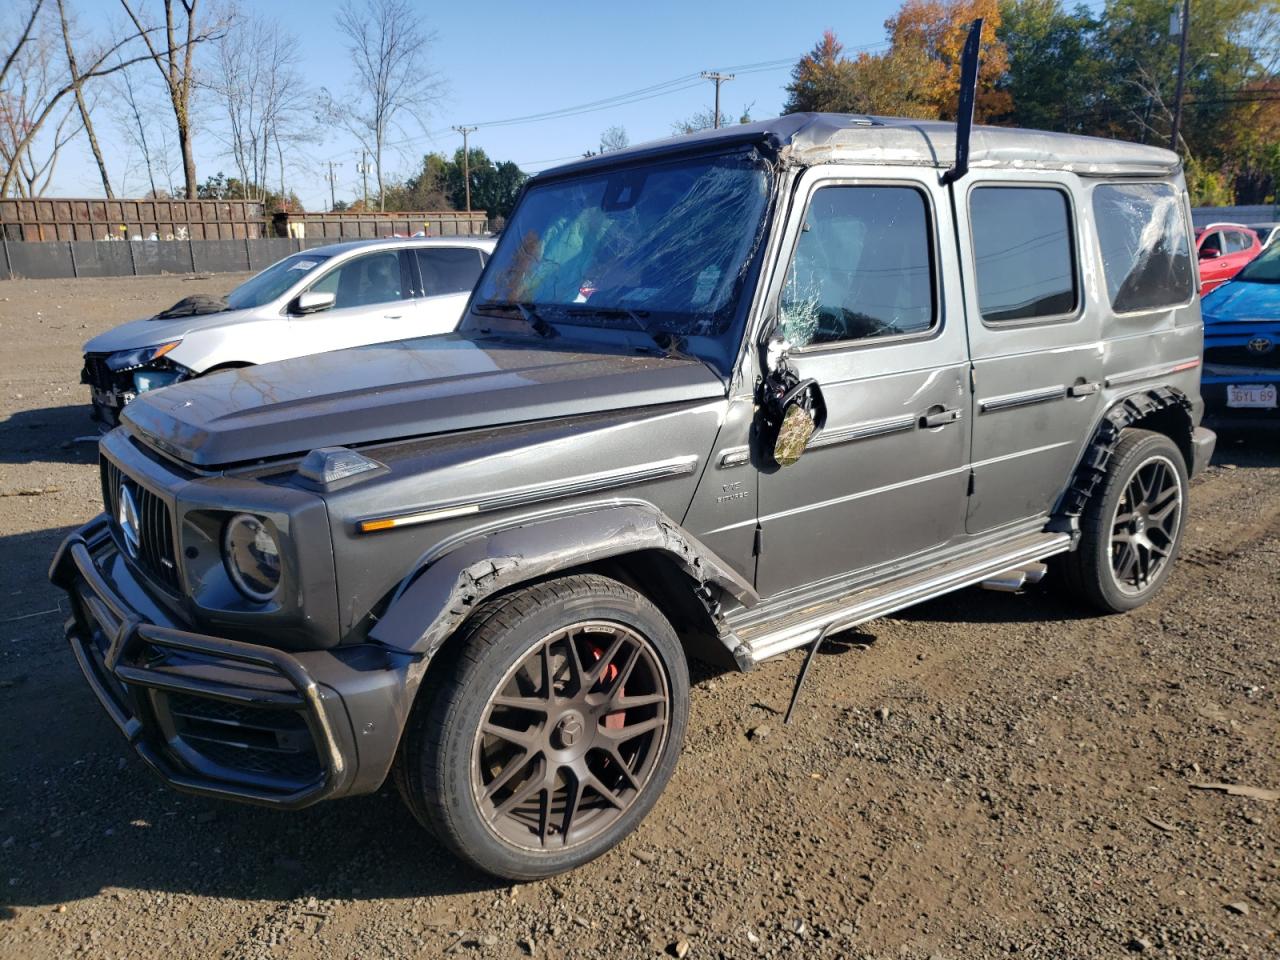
(1132, 526)
(556, 722)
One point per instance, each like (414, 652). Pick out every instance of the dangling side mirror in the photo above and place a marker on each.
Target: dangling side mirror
(793, 414)
(793, 435)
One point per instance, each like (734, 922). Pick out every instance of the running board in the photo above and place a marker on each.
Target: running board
(759, 643)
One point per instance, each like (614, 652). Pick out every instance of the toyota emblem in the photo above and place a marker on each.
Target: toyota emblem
(127, 515)
(1261, 345)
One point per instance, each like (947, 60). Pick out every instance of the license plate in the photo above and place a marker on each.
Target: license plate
(1257, 396)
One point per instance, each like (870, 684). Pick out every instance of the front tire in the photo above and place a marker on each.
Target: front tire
(556, 723)
(1132, 527)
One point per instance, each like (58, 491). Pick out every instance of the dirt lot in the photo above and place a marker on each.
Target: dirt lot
(988, 775)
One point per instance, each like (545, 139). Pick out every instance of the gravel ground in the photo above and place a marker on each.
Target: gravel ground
(984, 776)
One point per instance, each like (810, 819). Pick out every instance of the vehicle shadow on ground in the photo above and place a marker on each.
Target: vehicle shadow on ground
(49, 435)
(1035, 603)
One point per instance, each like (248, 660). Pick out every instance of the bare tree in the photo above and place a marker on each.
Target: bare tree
(266, 102)
(27, 105)
(174, 58)
(388, 43)
(614, 138)
(135, 115)
(86, 121)
(30, 79)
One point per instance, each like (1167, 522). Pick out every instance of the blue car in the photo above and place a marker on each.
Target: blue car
(1242, 341)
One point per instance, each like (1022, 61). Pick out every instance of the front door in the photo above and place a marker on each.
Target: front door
(371, 304)
(1035, 342)
(868, 297)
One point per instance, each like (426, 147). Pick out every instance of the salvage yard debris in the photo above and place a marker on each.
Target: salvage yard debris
(1239, 790)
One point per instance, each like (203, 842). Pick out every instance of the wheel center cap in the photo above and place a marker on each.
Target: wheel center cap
(1139, 524)
(570, 731)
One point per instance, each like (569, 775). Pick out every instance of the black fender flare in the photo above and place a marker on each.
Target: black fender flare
(1092, 467)
(434, 600)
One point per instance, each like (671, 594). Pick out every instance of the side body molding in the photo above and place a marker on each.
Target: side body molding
(453, 579)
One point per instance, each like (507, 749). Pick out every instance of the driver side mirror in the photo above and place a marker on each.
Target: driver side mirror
(313, 301)
(793, 435)
(1210, 254)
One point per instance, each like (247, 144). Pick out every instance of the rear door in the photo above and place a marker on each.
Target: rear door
(1035, 342)
(445, 276)
(868, 295)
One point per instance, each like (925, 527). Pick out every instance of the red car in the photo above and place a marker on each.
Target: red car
(1223, 249)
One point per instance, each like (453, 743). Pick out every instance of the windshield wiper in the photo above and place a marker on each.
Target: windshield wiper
(526, 311)
(671, 345)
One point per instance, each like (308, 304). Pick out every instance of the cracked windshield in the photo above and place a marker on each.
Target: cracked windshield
(661, 248)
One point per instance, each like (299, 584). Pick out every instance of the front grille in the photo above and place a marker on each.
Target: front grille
(1242, 357)
(264, 742)
(156, 555)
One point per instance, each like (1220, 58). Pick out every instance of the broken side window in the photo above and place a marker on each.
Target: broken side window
(1146, 251)
(862, 268)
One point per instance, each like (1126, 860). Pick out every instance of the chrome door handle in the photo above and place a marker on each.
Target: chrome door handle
(392, 316)
(939, 419)
(1082, 390)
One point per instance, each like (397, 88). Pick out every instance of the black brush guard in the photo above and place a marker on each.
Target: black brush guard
(135, 667)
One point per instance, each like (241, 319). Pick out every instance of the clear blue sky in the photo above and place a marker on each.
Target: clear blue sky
(506, 59)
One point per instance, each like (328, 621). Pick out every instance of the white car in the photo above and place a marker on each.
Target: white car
(327, 298)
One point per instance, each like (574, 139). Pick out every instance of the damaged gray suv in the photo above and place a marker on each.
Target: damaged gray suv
(723, 396)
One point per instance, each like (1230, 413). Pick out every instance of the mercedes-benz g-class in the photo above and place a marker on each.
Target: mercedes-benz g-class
(723, 394)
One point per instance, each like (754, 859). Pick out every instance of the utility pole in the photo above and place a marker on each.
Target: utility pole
(717, 78)
(333, 201)
(466, 161)
(1185, 28)
(364, 175)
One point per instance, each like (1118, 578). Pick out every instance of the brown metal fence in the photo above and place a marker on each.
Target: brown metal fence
(39, 220)
(52, 238)
(365, 224)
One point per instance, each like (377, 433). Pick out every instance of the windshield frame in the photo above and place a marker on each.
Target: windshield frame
(720, 351)
(304, 276)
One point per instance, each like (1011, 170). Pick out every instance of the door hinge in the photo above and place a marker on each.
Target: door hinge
(973, 380)
(757, 547)
(971, 483)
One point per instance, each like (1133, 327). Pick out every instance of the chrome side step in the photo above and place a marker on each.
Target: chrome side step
(1021, 556)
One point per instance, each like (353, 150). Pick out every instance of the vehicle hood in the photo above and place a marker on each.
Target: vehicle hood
(149, 332)
(1239, 301)
(409, 388)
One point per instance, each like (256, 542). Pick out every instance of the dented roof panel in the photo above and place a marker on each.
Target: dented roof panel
(807, 139)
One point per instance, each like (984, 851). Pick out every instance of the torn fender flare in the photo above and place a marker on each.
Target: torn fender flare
(1092, 468)
(435, 599)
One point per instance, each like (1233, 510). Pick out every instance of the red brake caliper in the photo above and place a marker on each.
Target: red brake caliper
(614, 721)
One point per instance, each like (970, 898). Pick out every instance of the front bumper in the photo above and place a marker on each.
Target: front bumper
(221, 717)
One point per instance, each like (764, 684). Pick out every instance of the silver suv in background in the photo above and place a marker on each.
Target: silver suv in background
(325, 298)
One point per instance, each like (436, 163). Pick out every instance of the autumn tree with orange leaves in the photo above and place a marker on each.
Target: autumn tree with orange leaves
(918, 76)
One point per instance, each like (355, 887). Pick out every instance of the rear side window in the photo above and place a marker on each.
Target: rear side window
(863, 267)
(1146, 254)
(448, 269)
(1024, 253)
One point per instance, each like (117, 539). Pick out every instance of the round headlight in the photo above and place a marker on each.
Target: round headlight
(252, 556)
